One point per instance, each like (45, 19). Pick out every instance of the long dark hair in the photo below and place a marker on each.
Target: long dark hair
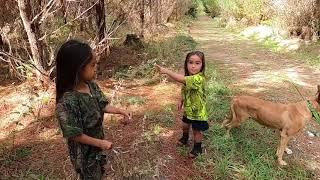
(200, 55)
(72, 56)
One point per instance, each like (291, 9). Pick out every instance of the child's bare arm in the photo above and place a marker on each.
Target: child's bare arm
(85, 139)
(175, 76)
(114, 110)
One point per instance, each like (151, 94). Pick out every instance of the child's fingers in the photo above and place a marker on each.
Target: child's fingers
(106, 145)
(158, 67)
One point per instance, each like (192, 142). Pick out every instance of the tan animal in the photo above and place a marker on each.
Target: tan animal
(288, 118)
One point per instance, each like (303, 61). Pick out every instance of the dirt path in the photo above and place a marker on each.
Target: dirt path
(257, 71)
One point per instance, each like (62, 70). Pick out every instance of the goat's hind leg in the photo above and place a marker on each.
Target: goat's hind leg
(236, 121)
(282, 146)
(226, 123)
(229, 119)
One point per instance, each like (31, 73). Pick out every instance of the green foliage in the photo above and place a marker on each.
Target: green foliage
(252, 10)
(309, 54)
(193, 9)
(171, 49)
(153, 134)
(23, 152)
(218, 95)
(168, 52)
(133, 100)
(183, 151)
(146, 69)
(211, 7)
(165, 116)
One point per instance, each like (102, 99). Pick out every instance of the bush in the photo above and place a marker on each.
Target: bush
(253, 10)
(295, 16)
(168, 52)
(171, 49)
(211, 8)
(193, 10)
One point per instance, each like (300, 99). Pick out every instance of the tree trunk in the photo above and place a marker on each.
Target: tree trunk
(35, 26)
(63, 11)
(142, 18)
(35, 51)
(101, 30)
(100, 20)
(1, 42)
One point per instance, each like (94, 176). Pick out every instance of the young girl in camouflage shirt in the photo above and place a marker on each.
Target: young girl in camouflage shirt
(80, 108)
(193, 99)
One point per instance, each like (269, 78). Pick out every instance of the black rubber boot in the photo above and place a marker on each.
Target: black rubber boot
(197, 149)
(183, 141)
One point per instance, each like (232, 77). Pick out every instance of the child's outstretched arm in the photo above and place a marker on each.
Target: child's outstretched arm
(114, 110)
(175, 76)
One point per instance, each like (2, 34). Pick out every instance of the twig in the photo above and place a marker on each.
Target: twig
(46, 9)
(114, 29)
(68, 23)
(22, 62)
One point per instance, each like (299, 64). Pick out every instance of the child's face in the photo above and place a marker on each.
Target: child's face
(89, 71)
(194, 65)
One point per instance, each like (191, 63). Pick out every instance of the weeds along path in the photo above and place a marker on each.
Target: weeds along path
(254, 70)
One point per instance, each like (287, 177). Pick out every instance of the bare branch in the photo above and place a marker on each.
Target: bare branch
(5, 60)
(68, 23)
(46, 14)
(47, 8)
(112, 29)
(13, 67)
(21, 61)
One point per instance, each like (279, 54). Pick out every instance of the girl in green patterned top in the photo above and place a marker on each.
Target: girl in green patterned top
(80, 108)
(193, 99)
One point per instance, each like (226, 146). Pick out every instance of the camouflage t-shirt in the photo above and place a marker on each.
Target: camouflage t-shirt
(194, 96)
(81, 113)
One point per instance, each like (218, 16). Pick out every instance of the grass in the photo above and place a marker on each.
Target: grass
(218, 95)
(167, 52)
(23, 152)
(250, 151)
(165, 116)
(183, 151)
(309, 54)
(305, 53)
(133, 100)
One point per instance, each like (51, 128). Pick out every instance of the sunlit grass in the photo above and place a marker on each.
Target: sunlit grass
(133, 100)
(250, 151)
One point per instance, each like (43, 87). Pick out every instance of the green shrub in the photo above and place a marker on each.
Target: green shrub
(168, 52)
(253, 10)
